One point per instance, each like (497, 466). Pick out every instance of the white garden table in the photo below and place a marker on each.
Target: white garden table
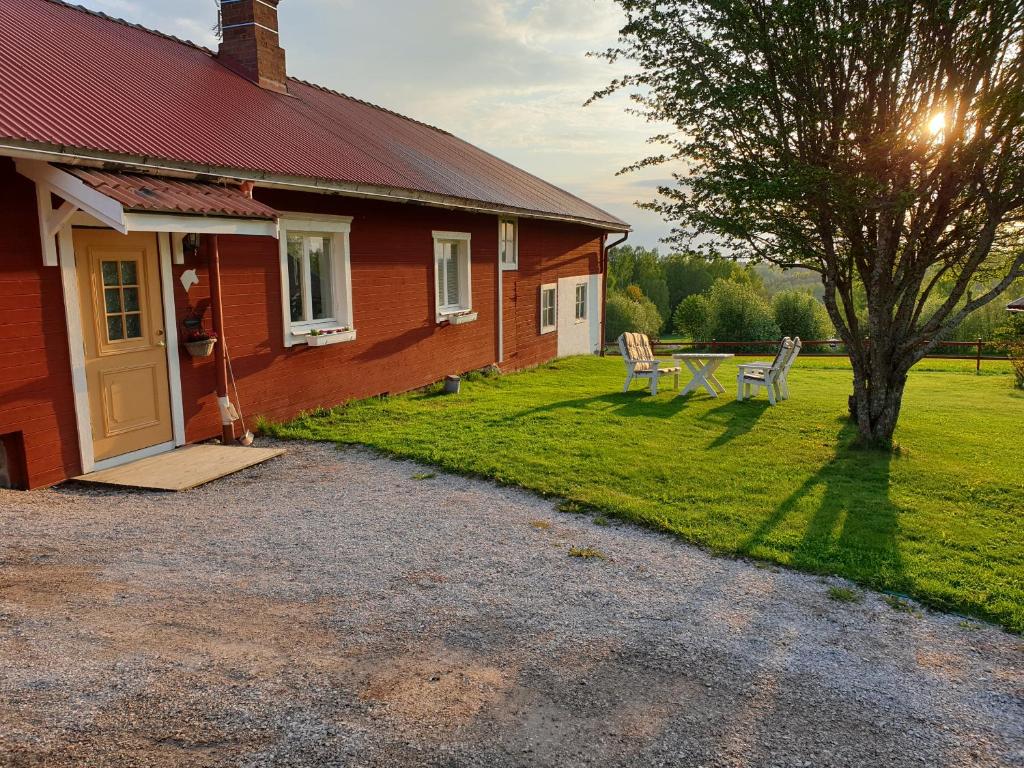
(702, 366)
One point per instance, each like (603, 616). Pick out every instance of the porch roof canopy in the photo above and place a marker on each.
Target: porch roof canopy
(130, 202)
(1016, 306)
(154, 194)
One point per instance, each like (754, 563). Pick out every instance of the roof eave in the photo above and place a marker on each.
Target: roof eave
(76, 156)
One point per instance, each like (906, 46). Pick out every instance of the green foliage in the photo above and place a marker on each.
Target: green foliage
(800, 314)
(634, 293)
(941, 522)
(728, 312)
(631, 311)
(691, 318)
(738, 312)
(633, 266)
(690, 273)
(777, 280)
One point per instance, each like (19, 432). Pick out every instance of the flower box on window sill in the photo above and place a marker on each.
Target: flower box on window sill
(321, 337)
(458, 318)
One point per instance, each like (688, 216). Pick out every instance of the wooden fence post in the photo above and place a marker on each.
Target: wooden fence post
(713, 342)
(977, 367)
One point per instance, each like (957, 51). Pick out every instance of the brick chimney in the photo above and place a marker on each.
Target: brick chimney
(249, 43)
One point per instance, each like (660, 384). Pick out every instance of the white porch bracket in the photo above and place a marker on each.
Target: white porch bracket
(77, 196)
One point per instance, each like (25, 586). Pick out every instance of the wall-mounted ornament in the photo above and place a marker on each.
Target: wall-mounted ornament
(188, 279)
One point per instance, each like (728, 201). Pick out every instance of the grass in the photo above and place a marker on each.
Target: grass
(939, 521)
(845, 595)
(587, 553)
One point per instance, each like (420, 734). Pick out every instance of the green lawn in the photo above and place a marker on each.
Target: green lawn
(941, 521)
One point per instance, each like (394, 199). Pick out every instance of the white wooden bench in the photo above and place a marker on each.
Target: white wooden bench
(641, 364)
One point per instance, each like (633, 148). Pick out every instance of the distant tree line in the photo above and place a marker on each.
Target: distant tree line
(700, 299)
(688, 295)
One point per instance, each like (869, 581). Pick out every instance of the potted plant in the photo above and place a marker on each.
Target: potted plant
(200, 341)
(320, 337)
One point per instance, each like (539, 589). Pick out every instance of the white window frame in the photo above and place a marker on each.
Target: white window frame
(553, 288)
(340, 324)
(463, 311)
(514, 264)
(576, 299)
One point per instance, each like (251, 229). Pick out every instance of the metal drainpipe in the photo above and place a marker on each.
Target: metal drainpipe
(604, 284)
(219, 358)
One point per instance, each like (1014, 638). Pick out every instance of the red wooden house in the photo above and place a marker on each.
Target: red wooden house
(151, 189)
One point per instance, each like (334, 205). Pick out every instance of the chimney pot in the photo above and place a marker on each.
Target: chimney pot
(249, 42)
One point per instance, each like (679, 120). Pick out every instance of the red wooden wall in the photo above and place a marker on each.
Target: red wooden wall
(399, 345)
(36, 400)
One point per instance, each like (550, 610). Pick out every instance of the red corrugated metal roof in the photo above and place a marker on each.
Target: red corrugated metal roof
(76, 79)
(137, 192)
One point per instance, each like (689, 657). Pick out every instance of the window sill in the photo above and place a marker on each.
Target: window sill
(323, 339)
(457, 318)
(545, 331)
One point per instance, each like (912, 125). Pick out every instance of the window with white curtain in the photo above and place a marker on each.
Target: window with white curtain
(581, 302)
(452, 275)
(315, 278)
(508, 243)
(548, 307)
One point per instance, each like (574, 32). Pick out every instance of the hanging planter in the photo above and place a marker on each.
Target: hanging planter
(200, 343)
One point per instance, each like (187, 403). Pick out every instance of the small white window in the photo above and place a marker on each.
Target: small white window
(548, 308)
(454, 295)
(581, 302)
(316, 282)
(508, 243)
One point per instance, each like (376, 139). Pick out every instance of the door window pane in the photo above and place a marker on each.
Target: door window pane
(131, 299)
(115, 328)
(128, 276)
(112, 300)
(109, 269)
(133, 326)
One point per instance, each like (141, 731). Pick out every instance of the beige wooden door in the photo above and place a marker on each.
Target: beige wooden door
(125, 350)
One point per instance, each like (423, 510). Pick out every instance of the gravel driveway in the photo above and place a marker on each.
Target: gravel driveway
(329, 608)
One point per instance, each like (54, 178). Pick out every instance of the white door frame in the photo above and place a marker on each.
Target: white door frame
(76, 348)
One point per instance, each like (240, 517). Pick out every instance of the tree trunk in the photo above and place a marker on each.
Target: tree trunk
(878, 387)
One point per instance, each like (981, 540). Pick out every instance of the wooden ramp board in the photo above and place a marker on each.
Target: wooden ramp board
(182, 468)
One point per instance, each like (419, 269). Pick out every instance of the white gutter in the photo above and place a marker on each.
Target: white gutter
(60, 154)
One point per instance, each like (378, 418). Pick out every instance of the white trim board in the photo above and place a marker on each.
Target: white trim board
(200, 225)
(76, 347)
(165, 251)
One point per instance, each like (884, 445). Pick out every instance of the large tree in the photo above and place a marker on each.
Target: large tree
(879, 143)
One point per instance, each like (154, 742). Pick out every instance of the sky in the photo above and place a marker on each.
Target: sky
(509, 76)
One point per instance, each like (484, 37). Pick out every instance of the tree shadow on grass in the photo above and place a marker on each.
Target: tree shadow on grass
(840, 520)
(634, 403)
(737, 418)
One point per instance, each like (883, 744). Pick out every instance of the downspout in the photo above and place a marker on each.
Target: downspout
(604, 283)
(227, 410)
(501, 308)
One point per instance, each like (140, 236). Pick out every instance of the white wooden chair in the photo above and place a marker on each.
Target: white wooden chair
(784, 378)
(641, 364)
(752, 376)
